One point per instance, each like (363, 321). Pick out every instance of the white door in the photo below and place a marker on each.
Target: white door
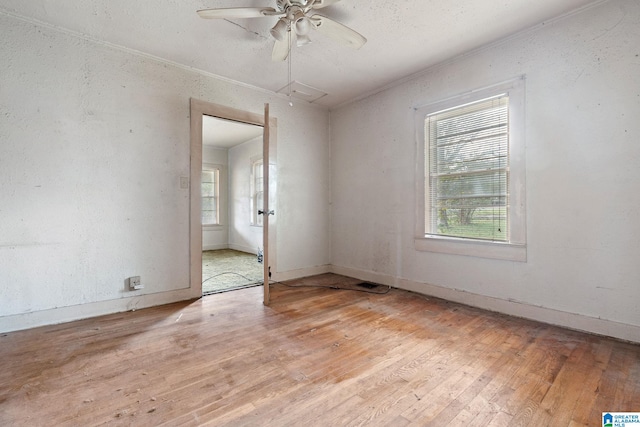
(266, 211)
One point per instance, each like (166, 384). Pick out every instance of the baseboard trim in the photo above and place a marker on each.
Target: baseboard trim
(300, 273)
(59, 315)
(214, 247)
(564, 319)
(242, 248)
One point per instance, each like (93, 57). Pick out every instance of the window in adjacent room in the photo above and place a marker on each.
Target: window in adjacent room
(210, 195)
(472, 157)
(257, 199)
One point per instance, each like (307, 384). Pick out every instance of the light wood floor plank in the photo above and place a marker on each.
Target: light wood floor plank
(314, 357)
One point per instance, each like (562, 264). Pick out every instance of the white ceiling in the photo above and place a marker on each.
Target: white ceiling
(404, 36)
(221, 133)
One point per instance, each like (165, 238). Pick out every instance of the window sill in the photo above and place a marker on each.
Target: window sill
(466, 247)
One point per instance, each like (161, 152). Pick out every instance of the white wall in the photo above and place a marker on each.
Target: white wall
(582, 133)
(217, 236)
(94, 140)
(242, 235)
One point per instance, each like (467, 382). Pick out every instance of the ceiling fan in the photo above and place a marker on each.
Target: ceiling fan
(294, 24)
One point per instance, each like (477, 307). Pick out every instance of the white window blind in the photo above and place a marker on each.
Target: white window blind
(210, 200)
(467, 153)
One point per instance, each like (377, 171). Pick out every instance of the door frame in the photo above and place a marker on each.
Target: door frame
(199, 108)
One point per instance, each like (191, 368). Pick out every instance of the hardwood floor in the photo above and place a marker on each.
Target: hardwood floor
(315, 357)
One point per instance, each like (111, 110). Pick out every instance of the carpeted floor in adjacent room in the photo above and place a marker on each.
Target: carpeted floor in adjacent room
(228, 269)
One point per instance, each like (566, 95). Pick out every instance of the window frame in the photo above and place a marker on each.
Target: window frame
(515, 248)
(257, 163)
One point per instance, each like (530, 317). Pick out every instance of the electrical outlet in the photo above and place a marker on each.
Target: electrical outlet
(134, 283)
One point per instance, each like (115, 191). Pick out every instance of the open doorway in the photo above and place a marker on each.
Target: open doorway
(266, 212)
(231, 186)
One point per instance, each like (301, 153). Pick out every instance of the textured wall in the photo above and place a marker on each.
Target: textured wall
(94, 141)
(242, 235)
(582, 132)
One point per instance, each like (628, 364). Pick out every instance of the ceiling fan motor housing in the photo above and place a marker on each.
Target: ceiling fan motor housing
(283, 4)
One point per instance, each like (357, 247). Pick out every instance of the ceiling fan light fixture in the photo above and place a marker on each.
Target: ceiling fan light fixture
(303, 40)
(303, 25)
(279, 31)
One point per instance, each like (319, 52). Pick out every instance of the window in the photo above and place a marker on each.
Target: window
(210, 195)
(257, 192)
(467, 149)
(471, 151)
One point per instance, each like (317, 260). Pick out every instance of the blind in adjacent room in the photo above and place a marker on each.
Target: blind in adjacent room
(209, 188)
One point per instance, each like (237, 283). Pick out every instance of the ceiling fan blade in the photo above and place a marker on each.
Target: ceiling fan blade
(319, 4)
(282, 47)
(338, 32)
(237, 12)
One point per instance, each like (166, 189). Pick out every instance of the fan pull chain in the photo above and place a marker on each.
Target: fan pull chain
(290, 55)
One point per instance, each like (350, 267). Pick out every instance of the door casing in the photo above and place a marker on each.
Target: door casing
(198, 109)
